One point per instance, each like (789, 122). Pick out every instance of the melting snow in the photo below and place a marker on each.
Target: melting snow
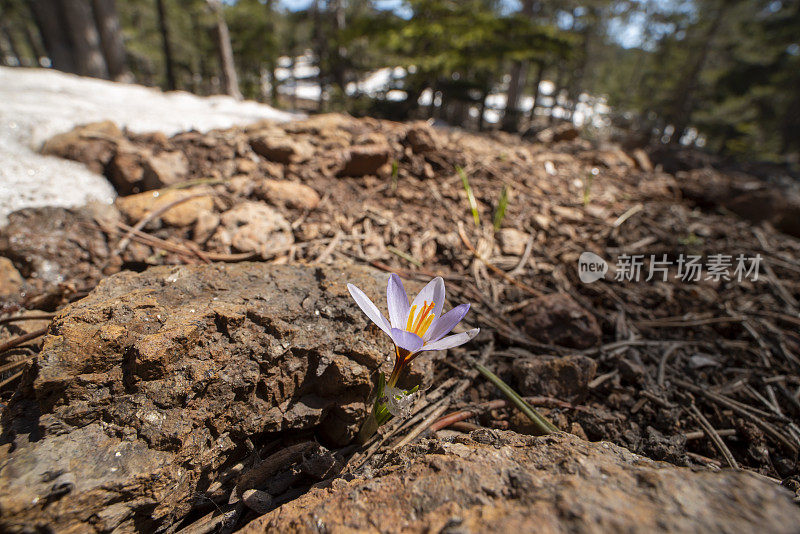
(39, 103)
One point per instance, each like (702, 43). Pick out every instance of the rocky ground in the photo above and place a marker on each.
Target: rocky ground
(189, 360)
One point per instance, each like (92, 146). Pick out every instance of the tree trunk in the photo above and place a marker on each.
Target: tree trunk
(107, 20)
(557, 88)
(339, 68)
(272, 64)
(85, 39)
(34, 43)
(685, 93)
(230, 82)
(13, 48)
(320, 48)
(169, 61)
(482, 111)
(201, 69)
(519, 73)
(537, 81)
(49, 21)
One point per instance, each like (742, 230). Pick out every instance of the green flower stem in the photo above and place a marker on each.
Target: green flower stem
(542, 424)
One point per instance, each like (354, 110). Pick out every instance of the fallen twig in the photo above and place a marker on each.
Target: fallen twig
(126, 239)
(493, 267)
(17, 341)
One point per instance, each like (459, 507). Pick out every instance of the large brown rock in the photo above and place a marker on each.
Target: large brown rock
(147, 387)
(557, 319)
(495, 481)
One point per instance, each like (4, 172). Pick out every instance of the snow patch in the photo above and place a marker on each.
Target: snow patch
(40, 103)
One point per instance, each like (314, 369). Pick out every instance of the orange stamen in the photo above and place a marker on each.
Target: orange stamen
(419, 327)
(426, 324)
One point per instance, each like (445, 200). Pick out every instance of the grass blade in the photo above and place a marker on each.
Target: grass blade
(542, 424)
(500, 213)
(473, 205)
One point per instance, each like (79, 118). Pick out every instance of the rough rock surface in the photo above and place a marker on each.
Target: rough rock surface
(148, 387)
(558, 319)
(53, 246)
(494, 481)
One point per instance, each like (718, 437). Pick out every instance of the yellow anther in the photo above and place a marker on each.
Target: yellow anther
(410, 322)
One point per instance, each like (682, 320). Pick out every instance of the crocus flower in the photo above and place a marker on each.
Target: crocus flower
(415, 327)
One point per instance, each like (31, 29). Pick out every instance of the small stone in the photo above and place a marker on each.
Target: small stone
(126, 172)
(365, 159)
(631, 371)
(292, 194)
(557, 319)
(92, 144)
(136, 207)
(50, 246)
(246, 166)
(421, 139)
(252, 227)
(281, 148)
(512, 241)
(164, 168)
(258, 501)
(205, 226)
(11, 281)
(562, 378)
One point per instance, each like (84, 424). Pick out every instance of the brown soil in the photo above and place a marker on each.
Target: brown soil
(694, 373)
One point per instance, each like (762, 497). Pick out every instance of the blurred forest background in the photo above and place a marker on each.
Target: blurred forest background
(722, 75)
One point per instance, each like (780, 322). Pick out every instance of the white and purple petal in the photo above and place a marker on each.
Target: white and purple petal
(441, 326)
(370, 309)
(406, 340)
(452, 341)
(397, 302)
(433, 292)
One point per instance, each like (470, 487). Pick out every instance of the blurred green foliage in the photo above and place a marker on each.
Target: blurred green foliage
(721, 74)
